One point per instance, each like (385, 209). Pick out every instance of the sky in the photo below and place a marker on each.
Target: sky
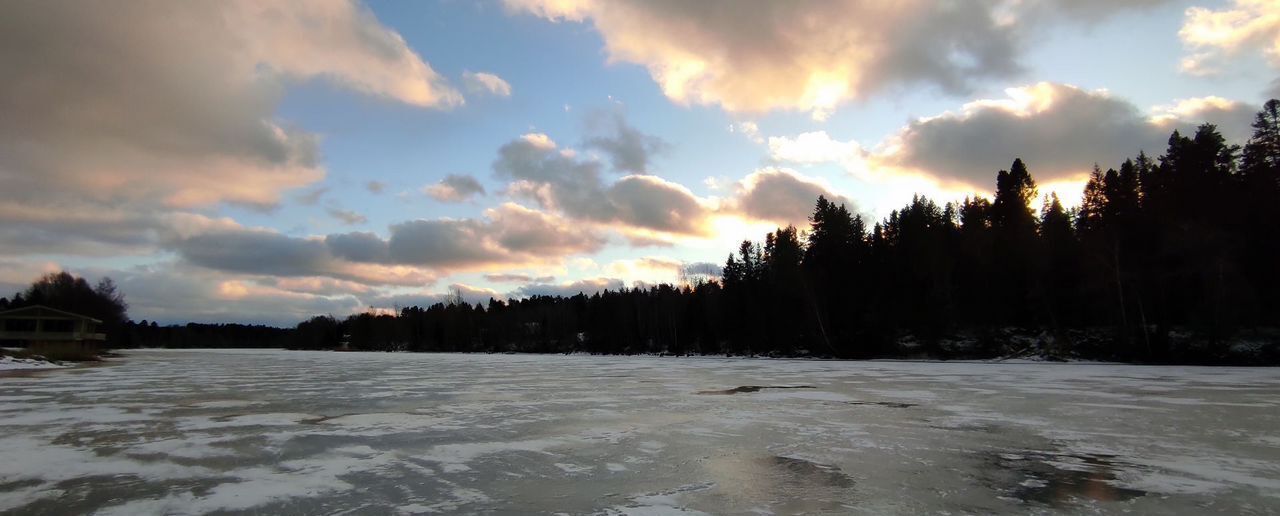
(250, 162)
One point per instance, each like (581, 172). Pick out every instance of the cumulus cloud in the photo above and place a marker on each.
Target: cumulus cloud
(651, 202)
(509, 234)
(1059, 130)
(455, 188)
(816, 147)
(440, 242)
(813, 55)
(649, 210)
(629, 149)
(182, 113)
(1215, 34)
(1233, 118)
(416, 253)
(561, 181)
(781, 196)
(488, 83)
(532, 233)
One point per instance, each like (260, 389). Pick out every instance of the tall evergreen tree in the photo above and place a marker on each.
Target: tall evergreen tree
(1014, 240)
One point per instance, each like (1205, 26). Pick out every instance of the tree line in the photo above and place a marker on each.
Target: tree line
(61, 290)
(104, 301)
(1166, 259)
(1172, 258)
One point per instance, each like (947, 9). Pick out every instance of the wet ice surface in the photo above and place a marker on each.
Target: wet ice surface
(280, 432)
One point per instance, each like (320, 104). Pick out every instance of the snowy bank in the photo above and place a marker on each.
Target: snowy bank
(8, 363)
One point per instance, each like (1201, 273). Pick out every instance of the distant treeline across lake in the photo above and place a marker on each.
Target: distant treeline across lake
(1167, 259)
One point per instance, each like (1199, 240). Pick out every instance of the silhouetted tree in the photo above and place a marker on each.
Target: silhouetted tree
(1166, 259)
(63, 291)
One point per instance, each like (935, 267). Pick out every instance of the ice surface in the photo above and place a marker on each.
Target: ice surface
(189, 432)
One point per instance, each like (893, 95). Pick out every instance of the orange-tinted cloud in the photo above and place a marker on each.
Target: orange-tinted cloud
(1059, 130)
(149, 107)
(813, 55)
(560, 181)
(1216, 34)
(781, 196)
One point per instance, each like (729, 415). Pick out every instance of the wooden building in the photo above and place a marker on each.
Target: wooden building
(42, 328)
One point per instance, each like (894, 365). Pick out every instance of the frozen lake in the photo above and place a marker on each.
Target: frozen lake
(291, 432)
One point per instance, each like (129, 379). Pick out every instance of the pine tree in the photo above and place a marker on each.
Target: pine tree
(1014, 240)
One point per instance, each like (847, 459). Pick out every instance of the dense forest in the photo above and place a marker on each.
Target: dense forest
(1167, 259)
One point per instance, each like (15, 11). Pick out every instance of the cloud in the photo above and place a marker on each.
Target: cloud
(629, 149)
(262, 252)
(640, 239)
(359, 247)
(182, 113)
(316, 285)
(562, 182)
(1214, 35)
(1059, 130)
(509, 235)
(482, 82)
(215, 297)
(17, 275)
(812, 56)
(815, 147)
(470, 294)
(651, 202)
(647, 270)
(1085, 10)
(312, 196)
(256, 252)
(347, 217)
(781, 196)
(518, 278)
(57, 228)
(442, 243)
(704, 269)
(416, 252)
(572, 288)
(455, 188)
(532, 233)
(748, 129)
(1233, 118)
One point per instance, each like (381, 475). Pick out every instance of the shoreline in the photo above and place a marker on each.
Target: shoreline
(990, 361)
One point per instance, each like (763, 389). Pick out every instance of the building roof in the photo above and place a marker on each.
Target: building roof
(43, 312)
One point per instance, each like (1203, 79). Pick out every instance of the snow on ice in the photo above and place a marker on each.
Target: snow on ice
(303, 432)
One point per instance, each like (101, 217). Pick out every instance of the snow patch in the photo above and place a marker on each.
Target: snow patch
(8, 363)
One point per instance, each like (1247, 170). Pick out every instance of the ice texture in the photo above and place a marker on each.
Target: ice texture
(274, 432)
